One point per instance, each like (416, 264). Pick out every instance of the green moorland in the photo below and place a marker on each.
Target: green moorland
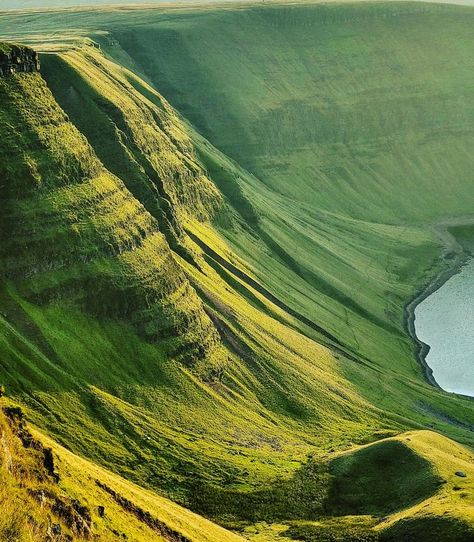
(213, 220)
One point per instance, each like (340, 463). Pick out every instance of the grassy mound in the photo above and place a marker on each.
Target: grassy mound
(380, 479)
(426, 529)
(403, 488)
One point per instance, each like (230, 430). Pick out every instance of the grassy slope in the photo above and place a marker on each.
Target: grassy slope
(343, 134)
(25, 517)
(64, 378)
(47, 360)
(344, 140)
(411, 478)
(346, 267)
(81, 91)
(55, 186)
(285, 389)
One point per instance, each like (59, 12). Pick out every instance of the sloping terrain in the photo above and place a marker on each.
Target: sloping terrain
(66, 220)
(207, 254)
(99, 261)
(352, 125)
(48, 493)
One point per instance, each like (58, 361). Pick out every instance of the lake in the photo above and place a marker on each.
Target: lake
(445, 321)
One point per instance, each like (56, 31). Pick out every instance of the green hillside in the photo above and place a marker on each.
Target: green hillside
(69, 498)
(118, 258)
(349, 121)
(213, 223)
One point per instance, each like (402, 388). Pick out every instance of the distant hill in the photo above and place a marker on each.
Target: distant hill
(28, 4)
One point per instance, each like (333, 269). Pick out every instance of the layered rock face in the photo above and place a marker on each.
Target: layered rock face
(137, 136)
(17, 59)
(71, 232)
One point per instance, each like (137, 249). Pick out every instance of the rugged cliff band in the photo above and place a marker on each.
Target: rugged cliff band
(18, 59)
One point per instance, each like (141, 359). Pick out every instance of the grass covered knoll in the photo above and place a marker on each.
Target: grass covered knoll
(380, 479)
(398, 489)
(452, 504)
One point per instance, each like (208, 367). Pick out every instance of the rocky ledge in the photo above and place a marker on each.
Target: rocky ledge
(17, 59)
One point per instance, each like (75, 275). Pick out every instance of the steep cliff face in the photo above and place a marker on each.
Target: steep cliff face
(137, 136)
(72, 233)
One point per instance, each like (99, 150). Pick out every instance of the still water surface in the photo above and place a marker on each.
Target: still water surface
(445, 321)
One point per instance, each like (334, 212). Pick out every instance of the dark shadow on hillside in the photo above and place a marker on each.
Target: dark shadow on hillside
(377, 480)
(428, 529)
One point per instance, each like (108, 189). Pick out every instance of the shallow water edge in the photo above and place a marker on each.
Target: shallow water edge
(452, 261)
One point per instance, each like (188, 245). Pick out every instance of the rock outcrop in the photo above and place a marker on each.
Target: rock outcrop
(17, 59)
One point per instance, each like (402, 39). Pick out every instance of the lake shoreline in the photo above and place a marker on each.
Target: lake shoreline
(454, 258)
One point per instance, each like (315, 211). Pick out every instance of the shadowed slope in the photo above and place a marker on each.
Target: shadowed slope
(346, 108)
(380, 479)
